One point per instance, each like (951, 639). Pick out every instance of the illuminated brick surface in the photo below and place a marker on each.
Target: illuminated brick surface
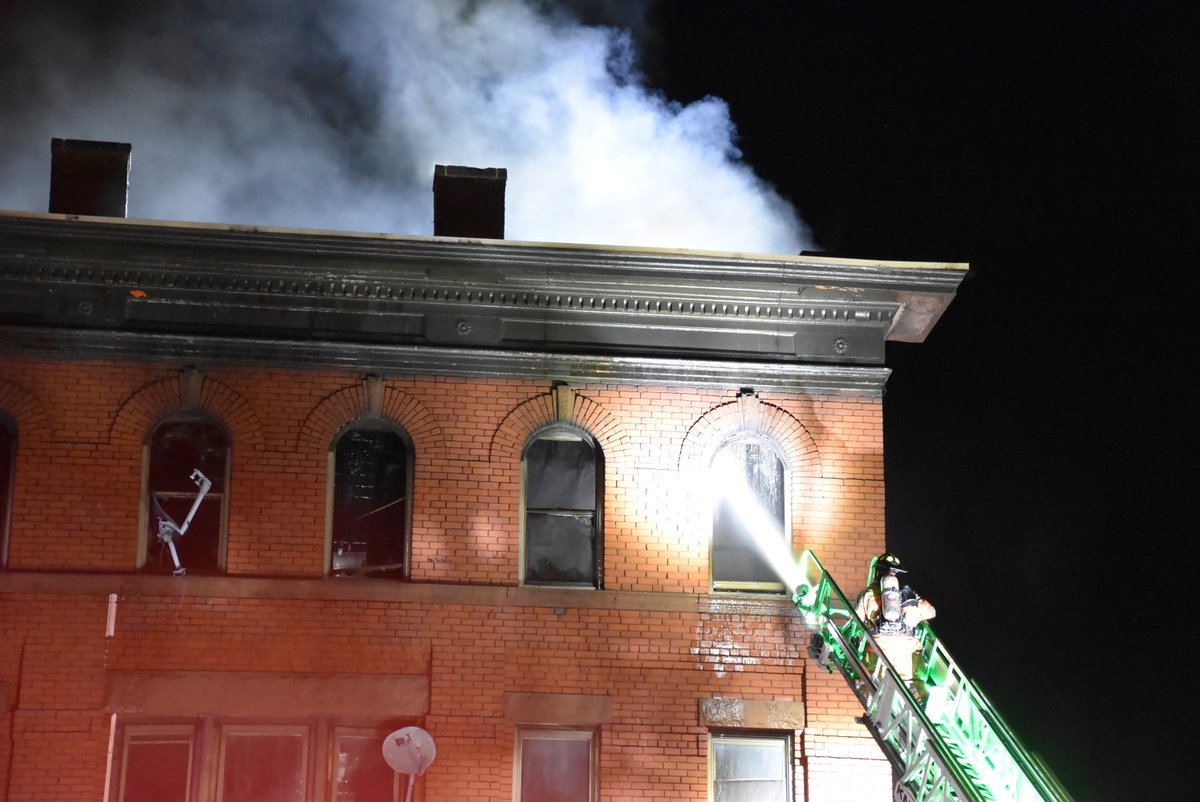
(654, 640)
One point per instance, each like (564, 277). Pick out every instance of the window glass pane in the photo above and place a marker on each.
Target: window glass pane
(360, 773)
(749, 791)
(177, 448)
(750, 769)
(559, 548)
(156, 766)
(561, 505)
(759, 475)
(262, 766)
(560, 474)
(370, 503)
(555, 769)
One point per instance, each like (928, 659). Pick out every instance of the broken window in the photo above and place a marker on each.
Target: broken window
(371, 485)
(8, 458)
(185, 496)
(555, 765)
(563, 479)
(748, 510)
(744, 768)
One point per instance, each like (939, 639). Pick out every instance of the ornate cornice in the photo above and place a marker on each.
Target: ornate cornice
(119, 275)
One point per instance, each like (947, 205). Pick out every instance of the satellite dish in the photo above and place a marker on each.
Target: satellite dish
(409, 750)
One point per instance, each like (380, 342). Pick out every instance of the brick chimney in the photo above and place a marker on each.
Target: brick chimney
(89, 177)
(468, 201)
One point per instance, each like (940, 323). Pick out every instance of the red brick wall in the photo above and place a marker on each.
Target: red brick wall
(53, 659)
(81, 428)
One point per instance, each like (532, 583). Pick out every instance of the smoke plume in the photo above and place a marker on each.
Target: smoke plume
(332, 114)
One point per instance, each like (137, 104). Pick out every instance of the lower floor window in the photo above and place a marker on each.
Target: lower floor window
(210, 760)
(261, 763)
(556, 765)
(749, 768)
(156, 763)
(359, 773)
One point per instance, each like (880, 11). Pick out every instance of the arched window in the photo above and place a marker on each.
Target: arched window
(564, 479)
(8, 459)
(749, 525)
(186, 476)
(371, 507)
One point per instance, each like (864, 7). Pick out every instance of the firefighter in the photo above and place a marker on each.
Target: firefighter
(891, 612)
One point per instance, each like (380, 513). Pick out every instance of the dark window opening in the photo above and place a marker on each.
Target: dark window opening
(756, 473)
(183, 451)
(563, 475)
(370, 504)
(8, 458)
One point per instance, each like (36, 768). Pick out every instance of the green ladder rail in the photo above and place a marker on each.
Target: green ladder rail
(946, 740)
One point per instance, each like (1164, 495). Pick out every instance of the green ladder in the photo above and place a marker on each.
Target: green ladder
(947, 742)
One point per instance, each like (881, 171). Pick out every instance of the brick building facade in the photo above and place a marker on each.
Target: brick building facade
(495, 384)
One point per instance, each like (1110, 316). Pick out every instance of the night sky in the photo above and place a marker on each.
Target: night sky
(1040, 446)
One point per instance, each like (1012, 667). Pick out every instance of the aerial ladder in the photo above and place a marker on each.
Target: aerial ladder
(946, 740)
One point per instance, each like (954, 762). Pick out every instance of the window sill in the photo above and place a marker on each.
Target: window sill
(132, 585)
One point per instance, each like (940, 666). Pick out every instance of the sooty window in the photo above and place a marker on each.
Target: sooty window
(186, 477)
(748, 515)
(372, 484)
(564, 474)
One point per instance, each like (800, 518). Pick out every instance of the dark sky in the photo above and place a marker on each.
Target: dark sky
(1040, 446)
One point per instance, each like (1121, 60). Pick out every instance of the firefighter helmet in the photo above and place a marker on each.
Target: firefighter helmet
(886, 562)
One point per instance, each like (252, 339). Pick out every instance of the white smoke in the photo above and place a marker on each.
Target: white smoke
(331, 115)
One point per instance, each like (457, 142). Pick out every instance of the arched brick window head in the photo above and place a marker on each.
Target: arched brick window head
(186, 452)
(372, 485)
(564, 477)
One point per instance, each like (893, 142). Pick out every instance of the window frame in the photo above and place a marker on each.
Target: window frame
(207, 737)
(178, 731)
(370, 425)
(304, 731)
(743, 586)
(6, 487)
(339, 731)
(591, 736)
(574, 432)
(145, 511)
(784, 739)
